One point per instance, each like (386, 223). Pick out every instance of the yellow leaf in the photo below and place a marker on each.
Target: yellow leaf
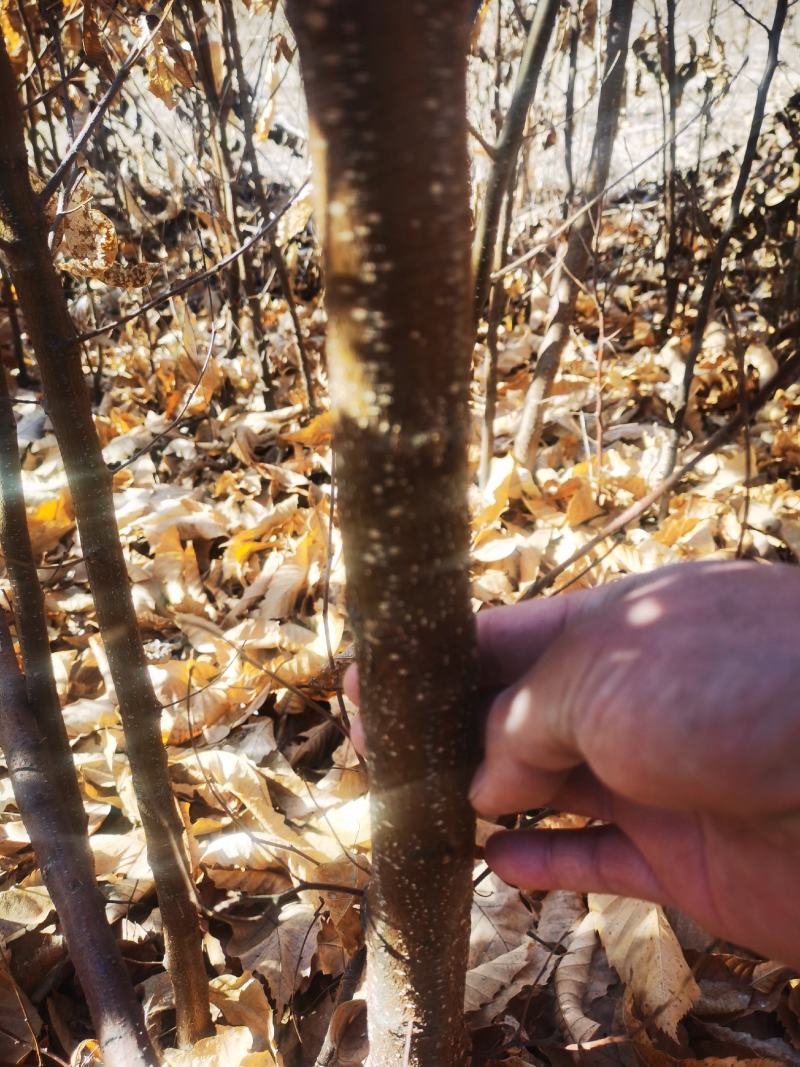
(50, 521)
(14, 40)
(160, 75)
(582, 506)
(318, 432)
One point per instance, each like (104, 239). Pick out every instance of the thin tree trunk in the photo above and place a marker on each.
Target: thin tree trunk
(31, 623)
(229, 17)
(386, 85)
(24, 250)
(573, 270)
(23, 377)
(507, 149)
(496, 305)
(194, 21)
(36, 749)
(251, 285)
(672, 281)
(714, 270)
(569, 115)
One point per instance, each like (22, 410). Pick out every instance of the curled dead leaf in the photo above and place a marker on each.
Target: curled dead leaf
(571, 980)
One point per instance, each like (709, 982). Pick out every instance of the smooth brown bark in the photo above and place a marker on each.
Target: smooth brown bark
(34, 740)
(573, 270)
(29, 613)
(24, 249)
(67, 868)
(386, 90)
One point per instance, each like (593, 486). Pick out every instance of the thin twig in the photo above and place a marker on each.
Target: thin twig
(589, 204)
(751, 16)
(168, 429)
(105, 102)
(196, 279)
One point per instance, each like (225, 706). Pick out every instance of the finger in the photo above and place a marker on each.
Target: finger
(578, 793)
(584, 794)
(511, 639)
(357, 735)
(350, 683)
(596, 860)
(533, 722)
(512, 787)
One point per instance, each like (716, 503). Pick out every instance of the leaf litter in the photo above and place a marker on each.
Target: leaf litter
(238, 580)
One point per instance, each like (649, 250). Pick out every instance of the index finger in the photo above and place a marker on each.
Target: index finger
(511, 639)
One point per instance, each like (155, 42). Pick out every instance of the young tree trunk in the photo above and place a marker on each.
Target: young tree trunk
(569, 103)
(259, 188)
(35, 745)
(67, 867)
(573, 271)
(507, 148)
(10, 303)
(386, 91)
(496, 305)
(671, 279)
(714, 269)
(25, 253)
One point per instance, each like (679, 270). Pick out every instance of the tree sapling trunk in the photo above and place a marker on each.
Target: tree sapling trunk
(386, 91)
(573, 271)
(27, 258)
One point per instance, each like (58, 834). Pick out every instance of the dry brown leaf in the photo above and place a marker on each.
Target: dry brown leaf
(22, 910)
(343, 907)
(87, 242)
(93, 42)
(243, 1002)
(230, 1047)
(500, 921)
(348, 1033)
(485, 981)
(493, 986)
(168, 68)
(292, 222)
(641, 946)
(571, 980)
(20, 1023)
(282, 952)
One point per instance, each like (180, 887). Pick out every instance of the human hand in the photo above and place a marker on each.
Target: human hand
(668, 707)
